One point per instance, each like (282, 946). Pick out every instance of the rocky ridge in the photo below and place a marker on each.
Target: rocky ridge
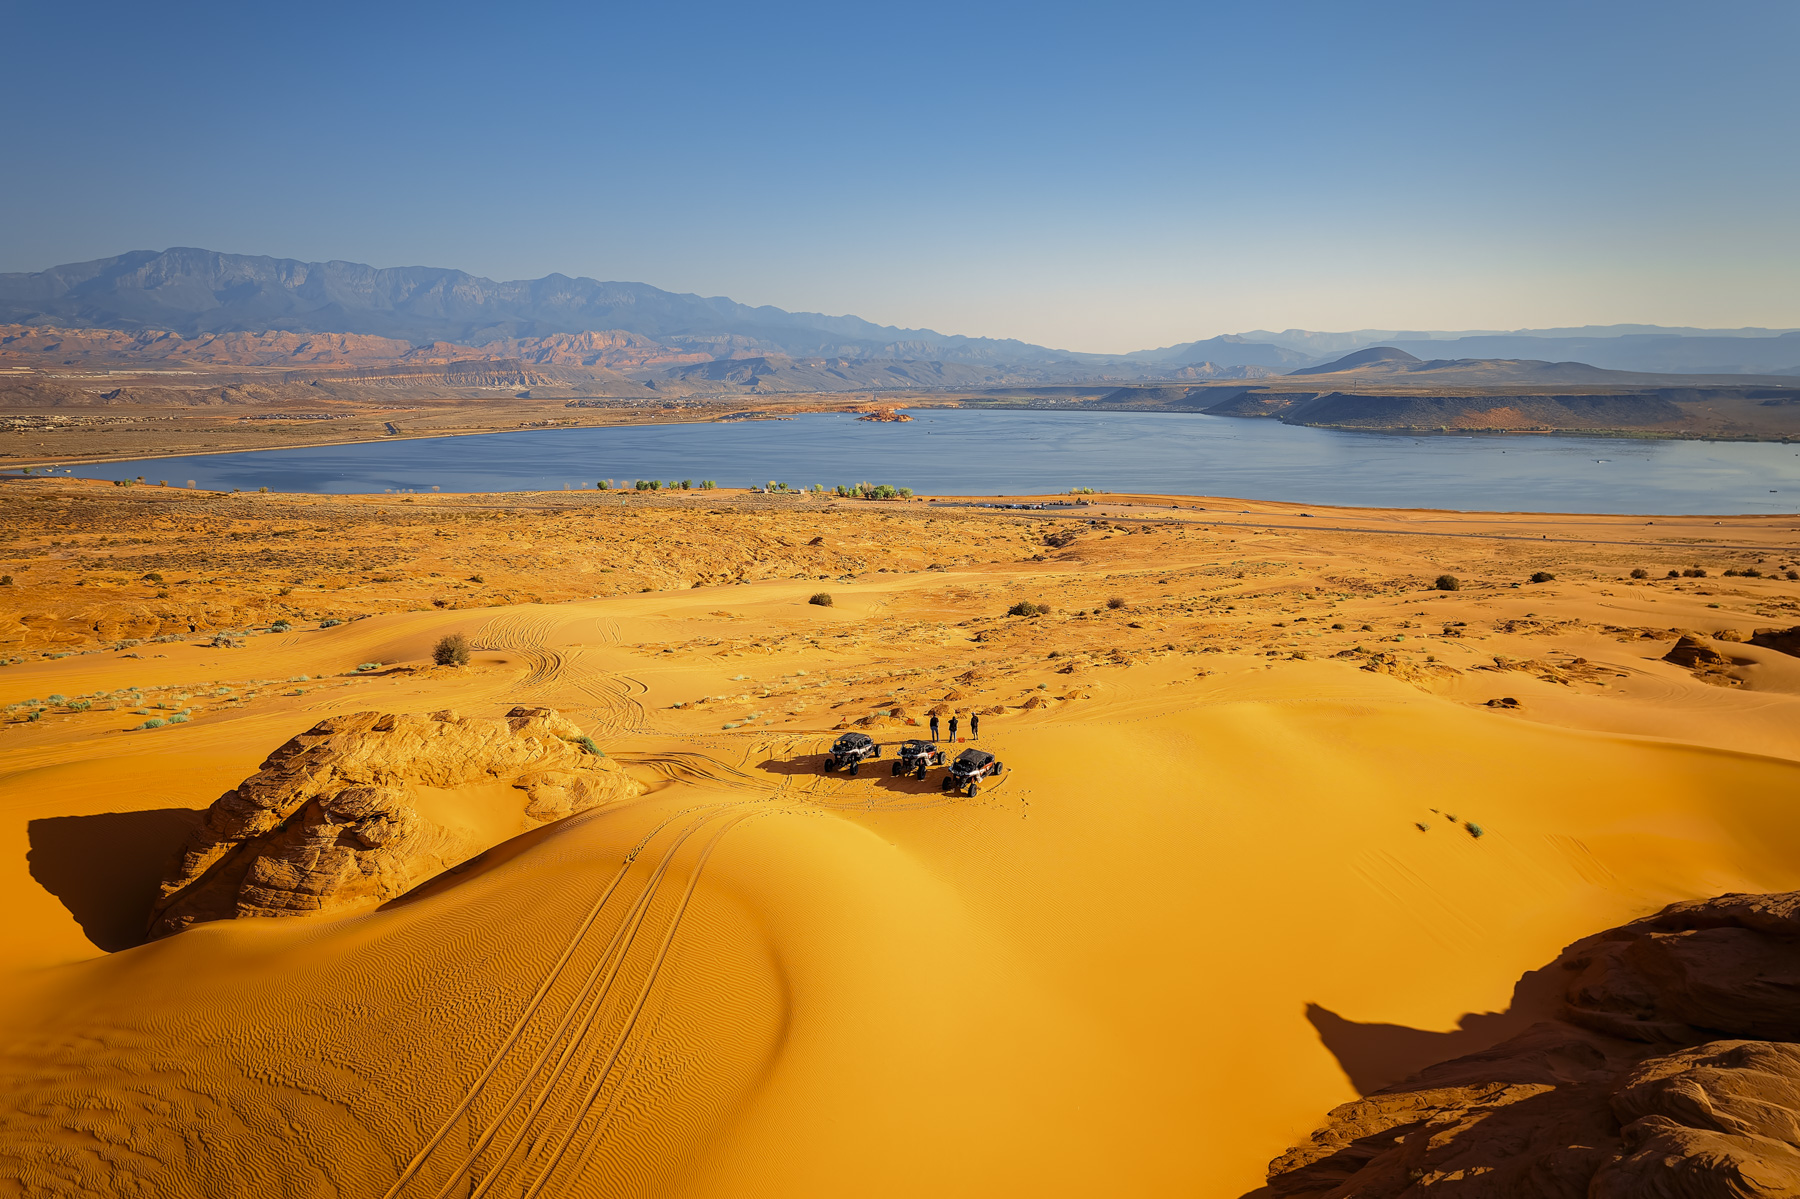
(339, 817)
(1671, 1072)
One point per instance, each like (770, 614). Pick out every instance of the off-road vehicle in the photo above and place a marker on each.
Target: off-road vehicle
(850, 751)
(970, 767)
(916, 757)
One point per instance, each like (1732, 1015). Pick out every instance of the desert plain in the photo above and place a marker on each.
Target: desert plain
(1282, 822)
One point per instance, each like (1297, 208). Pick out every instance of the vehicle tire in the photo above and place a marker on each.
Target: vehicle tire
(974, 789)
(825, 767)
(921, 774)
(896, 770)
(999, 768)
(945, 785)
(853, 767)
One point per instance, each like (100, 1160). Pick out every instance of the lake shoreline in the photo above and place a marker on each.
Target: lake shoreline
(956, 452)
(656, 421)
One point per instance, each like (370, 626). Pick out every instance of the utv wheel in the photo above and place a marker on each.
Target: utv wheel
(853, 767)
(974, 788)
(921, 774)
(945, 785)
(896, 770)
(999, 768)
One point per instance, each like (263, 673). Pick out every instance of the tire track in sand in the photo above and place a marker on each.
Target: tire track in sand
(572, 1043)
(553, 673)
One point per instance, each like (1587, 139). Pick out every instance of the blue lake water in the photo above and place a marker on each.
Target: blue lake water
(968, 452)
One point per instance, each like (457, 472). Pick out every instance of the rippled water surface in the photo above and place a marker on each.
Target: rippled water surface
(966, 452)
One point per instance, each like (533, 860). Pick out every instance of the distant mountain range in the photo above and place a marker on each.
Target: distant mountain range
(191, 292)
(1390, 367)
(198, 293)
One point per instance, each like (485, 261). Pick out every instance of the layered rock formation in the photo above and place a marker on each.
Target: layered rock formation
(361, 808)
(1786, 640)
(1673, 1072)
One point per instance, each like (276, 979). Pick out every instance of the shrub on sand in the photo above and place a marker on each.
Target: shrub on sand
(1543, 576)
(1447, 583)
(452, 650)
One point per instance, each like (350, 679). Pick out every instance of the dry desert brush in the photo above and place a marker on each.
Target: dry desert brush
(452, 650)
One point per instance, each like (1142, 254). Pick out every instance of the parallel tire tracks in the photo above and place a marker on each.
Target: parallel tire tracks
(581, 1035)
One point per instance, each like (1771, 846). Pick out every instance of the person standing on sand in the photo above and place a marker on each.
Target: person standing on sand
(934, 728)
(953, 730)
(974, 726)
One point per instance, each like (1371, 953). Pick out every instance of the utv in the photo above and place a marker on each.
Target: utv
(970, 767)
(850, 751)
(916, 757)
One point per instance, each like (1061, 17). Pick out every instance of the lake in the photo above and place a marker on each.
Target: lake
(970, 452)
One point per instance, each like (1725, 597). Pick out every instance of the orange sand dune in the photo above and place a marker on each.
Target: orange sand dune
(1214, 893)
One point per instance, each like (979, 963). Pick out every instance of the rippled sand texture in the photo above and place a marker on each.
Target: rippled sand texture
(1227, 881)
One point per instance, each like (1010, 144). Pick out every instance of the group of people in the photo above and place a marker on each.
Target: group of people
(974, 727)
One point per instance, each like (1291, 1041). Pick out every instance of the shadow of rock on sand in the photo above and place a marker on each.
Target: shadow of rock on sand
(1374, 1056)
(105, 869)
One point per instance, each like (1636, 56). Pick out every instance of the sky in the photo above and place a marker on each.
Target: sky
(1101, 177)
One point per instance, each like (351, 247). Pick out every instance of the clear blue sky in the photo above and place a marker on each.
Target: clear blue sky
(1099, 177)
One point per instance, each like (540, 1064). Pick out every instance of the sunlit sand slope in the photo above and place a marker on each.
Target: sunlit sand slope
(1094, 975)
(1212, 895)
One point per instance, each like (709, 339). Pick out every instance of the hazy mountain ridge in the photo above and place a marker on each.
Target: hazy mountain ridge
(193, 291)
(1392, 367)
(197, 293)
(1325, 344)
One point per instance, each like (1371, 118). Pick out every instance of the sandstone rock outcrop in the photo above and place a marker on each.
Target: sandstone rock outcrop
(361, 808)
(1692, 652)
(1786, 640)
(1673, 1072)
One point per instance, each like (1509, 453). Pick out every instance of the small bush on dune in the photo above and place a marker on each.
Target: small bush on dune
(1543, 576)
(1640, 573)
(1026, 608)
(1693, 572)
(1116, 602)
(1448, 583)
(587, 743)
(452, 650)
(822, 599)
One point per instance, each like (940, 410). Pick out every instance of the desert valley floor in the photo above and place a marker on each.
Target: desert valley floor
(1281, 823)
